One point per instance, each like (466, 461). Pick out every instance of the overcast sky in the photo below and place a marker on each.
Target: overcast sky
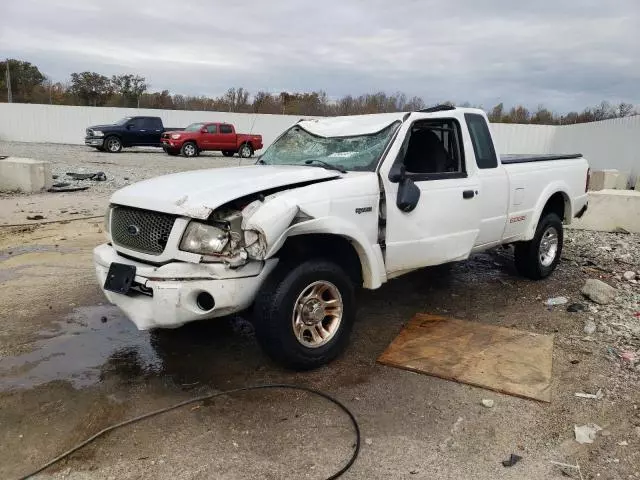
(565, 54)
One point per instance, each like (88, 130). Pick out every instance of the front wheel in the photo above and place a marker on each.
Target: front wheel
(189, 149)
(245, 151)
(539, 257)
(113, 144)
(304, 315)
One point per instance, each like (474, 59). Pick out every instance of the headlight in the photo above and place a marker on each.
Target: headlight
(98, 133)
(107, 220)
(204, 239)
(175, 136)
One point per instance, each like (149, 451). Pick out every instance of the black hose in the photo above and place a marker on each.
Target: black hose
(356, 427)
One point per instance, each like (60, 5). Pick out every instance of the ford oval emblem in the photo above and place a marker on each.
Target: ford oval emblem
(133, 230)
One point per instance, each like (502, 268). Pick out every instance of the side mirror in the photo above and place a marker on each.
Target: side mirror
(408, 194)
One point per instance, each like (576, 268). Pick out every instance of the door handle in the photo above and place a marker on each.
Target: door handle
(468, 194)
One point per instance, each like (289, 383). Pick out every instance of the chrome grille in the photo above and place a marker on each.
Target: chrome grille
(141, 230)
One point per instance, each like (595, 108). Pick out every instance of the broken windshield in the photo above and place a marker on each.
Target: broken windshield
(297, 147)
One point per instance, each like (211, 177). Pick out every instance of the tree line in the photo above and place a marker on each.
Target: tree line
(30, 85)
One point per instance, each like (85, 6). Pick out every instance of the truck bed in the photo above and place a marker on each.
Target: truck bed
(526, 158)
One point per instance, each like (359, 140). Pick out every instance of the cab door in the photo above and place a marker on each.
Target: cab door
(208, 137)
(432, 210)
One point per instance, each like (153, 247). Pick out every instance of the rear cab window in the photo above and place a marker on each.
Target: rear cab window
(226, 129)
(482, 142)
(153, 123)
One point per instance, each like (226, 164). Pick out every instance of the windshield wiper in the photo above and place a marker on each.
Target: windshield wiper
(326, 165)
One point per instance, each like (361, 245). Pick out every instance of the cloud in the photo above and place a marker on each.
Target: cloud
(566, 55)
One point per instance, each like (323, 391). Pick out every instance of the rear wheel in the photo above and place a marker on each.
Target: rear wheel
(304, 315)
(228, 153)
(245, 151)
(113, 144)
(539, 257)
(189, 149)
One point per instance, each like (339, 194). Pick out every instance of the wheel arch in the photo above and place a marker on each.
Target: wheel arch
(331, 239)
(556, 199)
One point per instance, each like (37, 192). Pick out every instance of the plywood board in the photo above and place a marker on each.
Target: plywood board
(501, 359)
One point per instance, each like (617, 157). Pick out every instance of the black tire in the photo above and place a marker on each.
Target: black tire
(245, 150)
(172, 152)
(189, 150)
(529, 258)
(274, 314)
(228, 153)
(113, 144)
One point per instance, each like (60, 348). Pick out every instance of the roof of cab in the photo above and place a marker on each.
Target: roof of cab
(353, 125)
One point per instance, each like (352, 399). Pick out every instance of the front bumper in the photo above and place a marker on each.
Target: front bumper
(170, 144)
(94, 141)
(176, 285)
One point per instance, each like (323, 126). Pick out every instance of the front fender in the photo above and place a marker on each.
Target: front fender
(371, 261)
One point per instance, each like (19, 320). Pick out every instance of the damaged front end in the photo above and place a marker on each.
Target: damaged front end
(240, 231)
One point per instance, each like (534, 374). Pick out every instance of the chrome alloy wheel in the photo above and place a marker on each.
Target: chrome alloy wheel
(190, 150)
(548, 247)
(113, 144)
(317, 314)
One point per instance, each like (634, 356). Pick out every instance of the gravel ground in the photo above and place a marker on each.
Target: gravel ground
(125, 168)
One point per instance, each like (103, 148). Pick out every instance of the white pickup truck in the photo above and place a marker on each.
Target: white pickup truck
(333, 204)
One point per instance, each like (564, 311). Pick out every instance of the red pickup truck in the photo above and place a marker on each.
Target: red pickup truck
(212, 136)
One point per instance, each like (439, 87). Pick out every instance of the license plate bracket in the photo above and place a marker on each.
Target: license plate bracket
(120, 278)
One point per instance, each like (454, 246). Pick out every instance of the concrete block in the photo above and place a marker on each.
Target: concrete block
(24, 175)
(603, 180)
(610, 210)
(622, 182)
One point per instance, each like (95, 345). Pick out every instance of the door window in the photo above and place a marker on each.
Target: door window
(226, 129)
(212, 128)
(433, 150)
(137, 124)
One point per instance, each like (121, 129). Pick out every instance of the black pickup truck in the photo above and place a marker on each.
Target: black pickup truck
(127, 132)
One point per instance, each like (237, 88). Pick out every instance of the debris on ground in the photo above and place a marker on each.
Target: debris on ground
(36, 217)
(596, 396)
(576, 307)
(55, 189)
(629, 275)
(97, 176)
(487, 402)
(623, 443)
(368, 441)
(589, 327)
(586, 433)
(556, 301)
(512, 460)
(569, 470)
(598, 291)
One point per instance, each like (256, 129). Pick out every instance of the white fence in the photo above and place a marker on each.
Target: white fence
(606, 144)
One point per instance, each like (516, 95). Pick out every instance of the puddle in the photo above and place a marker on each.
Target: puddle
(84, 350)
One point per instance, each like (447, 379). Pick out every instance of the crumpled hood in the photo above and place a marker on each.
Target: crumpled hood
(197, 193)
